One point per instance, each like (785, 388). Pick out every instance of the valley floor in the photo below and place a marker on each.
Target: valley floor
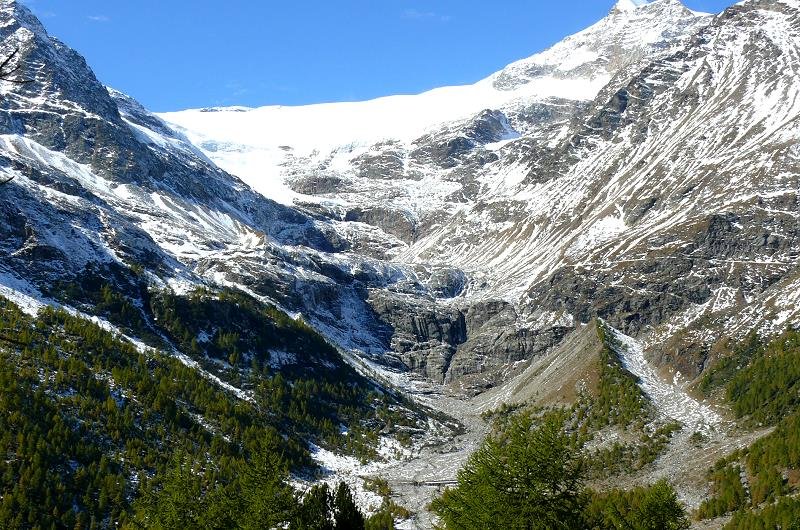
(418, 480)
(423, 472)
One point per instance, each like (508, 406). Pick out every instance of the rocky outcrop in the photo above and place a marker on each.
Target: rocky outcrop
(392, 221)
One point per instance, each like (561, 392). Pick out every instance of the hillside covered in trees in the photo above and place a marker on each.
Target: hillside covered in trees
(98, 432)
(535, 469)
(759, 484)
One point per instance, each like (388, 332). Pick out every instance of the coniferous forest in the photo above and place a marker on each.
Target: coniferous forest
(99, 434)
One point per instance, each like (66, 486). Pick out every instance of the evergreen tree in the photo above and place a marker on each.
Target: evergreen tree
(346, 513)
(266, 499)
(660, 509)
(528, 477)
(178, 504)
(643, 508)
(315, 511)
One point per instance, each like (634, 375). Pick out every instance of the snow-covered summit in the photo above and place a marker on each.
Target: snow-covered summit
(13, 13)
(632, 30)
(628, 5)
(258, 144)
(458, 233)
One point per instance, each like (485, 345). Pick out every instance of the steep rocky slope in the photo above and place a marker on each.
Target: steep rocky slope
(658, 189)
(110, 213)
(457, 240)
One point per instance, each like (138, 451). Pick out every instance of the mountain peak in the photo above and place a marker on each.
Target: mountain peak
(628, 5)
(633, 29)
(59, 76)
(14, 15)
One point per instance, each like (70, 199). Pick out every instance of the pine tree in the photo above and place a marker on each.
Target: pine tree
(267, 499)
(528, 477)
(654, 507)
(178, 504)
(346, 514)
(315, 511)
(660, 509)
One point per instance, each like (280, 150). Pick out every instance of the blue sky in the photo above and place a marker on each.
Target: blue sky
(176, 54)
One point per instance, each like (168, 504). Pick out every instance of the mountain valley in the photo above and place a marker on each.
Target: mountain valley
(609, 228)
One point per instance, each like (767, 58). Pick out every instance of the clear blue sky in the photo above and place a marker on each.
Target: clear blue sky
(176, 54)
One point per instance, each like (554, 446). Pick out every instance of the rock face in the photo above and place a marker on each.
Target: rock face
(666, 195)
(651, 181)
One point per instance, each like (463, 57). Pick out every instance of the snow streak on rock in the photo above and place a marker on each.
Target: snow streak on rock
(670, 400)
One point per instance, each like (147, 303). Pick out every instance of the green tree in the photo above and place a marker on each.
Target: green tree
(529, 476)
(382, 520)
(643, 508)
(346, 514)
(315, 511)
(266, 500)
(178, 504)
(660, 509)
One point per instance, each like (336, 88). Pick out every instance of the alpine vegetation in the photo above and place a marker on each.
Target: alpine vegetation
(564, 296)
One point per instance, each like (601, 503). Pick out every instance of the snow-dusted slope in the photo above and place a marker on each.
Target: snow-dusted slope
(101, 188)
(643, 170)
(100, 184)
(670, 400)
(257, 144)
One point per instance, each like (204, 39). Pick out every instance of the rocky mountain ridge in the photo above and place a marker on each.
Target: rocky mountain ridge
(542, 212)
(474, 246)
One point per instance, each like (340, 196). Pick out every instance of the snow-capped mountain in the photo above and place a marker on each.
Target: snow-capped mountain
(100, 185)
(635, 171)
(261, 145)
(643, 170)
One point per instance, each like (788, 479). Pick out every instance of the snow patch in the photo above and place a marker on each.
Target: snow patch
(279, 359)
(598, 233)
(670, 400)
